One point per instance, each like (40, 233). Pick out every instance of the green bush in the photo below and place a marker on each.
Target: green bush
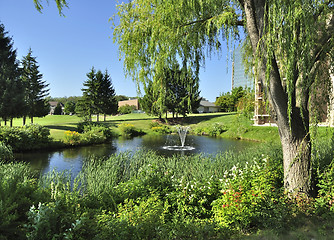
(72, 138)
(160, 128)
(6, 153)
(136, 219)
(88, 133)
(129, 130)
(18, 190)
(252, 196)
(28, 137)
(213, 130)
(126, 109)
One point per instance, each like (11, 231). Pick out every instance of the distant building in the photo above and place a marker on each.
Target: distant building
(53, 105)
(131, 102)
(239, 78)
(207, 107)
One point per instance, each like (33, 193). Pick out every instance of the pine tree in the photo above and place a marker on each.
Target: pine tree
(87, 105)
(36, 89)
(11, 91)
(98, 95)
(107, 95)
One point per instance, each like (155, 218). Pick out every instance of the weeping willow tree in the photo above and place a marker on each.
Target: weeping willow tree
(291, 42)
(60, 5)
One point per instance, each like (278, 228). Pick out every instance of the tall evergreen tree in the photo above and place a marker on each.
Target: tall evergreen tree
(98, 95)
(11, 91)
(108, 103)
(87, 105)
(36, 89)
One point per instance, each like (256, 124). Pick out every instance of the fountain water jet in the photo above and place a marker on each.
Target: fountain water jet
(182, 131)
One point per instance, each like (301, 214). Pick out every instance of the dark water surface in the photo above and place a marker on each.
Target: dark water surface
(73, 159)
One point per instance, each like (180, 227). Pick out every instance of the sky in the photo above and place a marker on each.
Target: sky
(67, 47)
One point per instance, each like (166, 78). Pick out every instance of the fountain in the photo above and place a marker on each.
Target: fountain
(182, 131)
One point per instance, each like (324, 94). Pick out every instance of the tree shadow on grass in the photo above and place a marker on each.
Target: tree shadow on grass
(196, 119)
(64, 128)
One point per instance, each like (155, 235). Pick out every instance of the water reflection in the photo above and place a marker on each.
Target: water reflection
(73, 158)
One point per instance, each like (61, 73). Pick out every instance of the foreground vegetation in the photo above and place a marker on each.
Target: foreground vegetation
(145, 196)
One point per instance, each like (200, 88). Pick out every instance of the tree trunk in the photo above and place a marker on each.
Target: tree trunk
(24, 120)
(32, 120)
(97, 117)
(294, 137)
(11, 122)
(104, 117)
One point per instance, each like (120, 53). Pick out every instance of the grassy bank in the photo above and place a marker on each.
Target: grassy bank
(235, 126)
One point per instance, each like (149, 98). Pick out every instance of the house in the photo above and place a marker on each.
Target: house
(53, 105)
(131, 102)
(207, 107)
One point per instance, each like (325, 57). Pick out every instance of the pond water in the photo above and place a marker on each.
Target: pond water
(73, 158)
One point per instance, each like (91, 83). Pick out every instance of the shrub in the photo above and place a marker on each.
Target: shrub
(88, 133)
(213, 130)
(129, 130)
(252, 196)
(159, 128)
(325, 200)
(136, 219)
(72, 138)
(28, 137)
(126, 109)
(93, 136)
(18, 191)
(6, 152)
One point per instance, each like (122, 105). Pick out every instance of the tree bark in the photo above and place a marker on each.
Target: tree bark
(294, 134)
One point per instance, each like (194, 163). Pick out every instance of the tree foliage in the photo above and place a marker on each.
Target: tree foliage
(98, 95)
(69, 107)
(291, 41)
(60, 5)
(58, 109)
(175, 90)
(11, 90)
(228, 101)
(36, 90)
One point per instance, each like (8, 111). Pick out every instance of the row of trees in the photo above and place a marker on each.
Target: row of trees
(239, 99)
(228, 101)
(175, 90)
(23, 92)
(99, 96)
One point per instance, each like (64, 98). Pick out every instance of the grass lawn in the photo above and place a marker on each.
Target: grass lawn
(237, 126)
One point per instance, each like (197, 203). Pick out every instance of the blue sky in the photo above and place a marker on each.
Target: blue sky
(67, 47)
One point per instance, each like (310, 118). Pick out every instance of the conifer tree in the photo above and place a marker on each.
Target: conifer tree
(98, 95)
(108, 102)
(11, 90)
(36, 90)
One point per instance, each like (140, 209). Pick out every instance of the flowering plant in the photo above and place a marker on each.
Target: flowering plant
(72, 137)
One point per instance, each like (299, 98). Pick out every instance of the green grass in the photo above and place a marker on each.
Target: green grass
(237, 126)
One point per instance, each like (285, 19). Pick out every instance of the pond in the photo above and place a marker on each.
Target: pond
(73, 158)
